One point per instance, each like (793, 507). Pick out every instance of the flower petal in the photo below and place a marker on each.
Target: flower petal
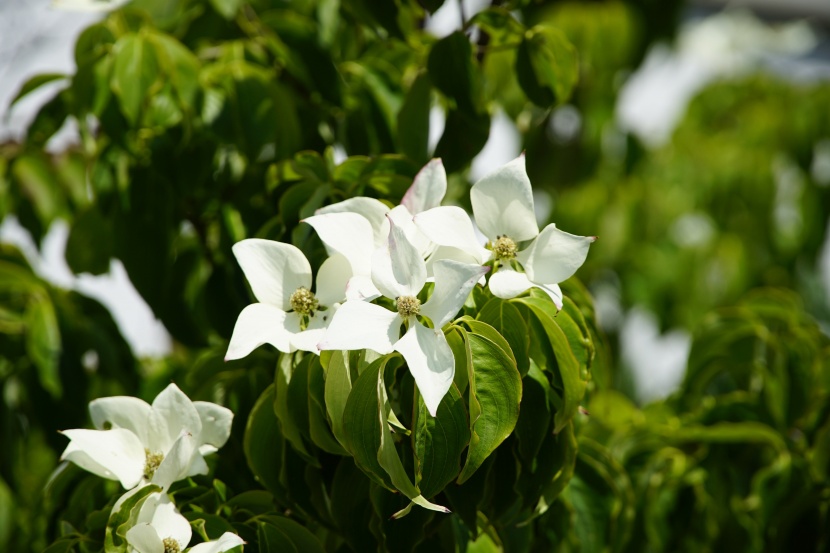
(332, 278)
(127, 412)
(178, 461)
(374, 210)
(347, 234)
(310, 338)
(225, 542)
(555, 255)
(362, 325)
(453, 254)
(216, 424)
(115, 454)
(361, 288)
(554, 291)
(503, 202)
(143, 538)
(273, 269)
(161, 513)
(399, 269)
(261, 323)
(428, 188)
(507, 283)
(172, 414)
(401, 217)
(453, 283)
(451, 226)
(430, 361)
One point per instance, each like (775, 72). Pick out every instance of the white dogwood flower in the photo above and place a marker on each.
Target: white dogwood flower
(160, 528)
(399, 273)
(503, 209)
(344, 230)
(289, 316)
(138, 443)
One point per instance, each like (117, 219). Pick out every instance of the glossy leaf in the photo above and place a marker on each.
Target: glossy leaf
(135, 73)
(495, 394)
(439, 442)
(567, 364)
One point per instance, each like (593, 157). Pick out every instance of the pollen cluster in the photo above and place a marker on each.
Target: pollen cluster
(303, 301)
(408, 306)
(504, 247)
(152, 463)
(170, 545)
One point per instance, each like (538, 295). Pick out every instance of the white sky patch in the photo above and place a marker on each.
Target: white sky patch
(447, 19)
(502, 146)
(727, 44)
(36, 39)
(657, 361)
(145, 334)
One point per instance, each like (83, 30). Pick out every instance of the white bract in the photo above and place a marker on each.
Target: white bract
(289, 316)
(503, 209)
(137, 443)
(160, 528)
(344, 230)
(399, 273)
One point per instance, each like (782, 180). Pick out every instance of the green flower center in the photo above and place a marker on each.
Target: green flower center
(504, 247)
(303, 301)
(408, 306)
(151, 464)
(170, 545)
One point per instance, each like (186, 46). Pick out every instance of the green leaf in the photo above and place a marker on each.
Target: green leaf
(370, 441)
(465, 134)
(43, 342)
(298, 537)
(508, 321)
(547, 66)
(361, 424)
(453, 72)
(135, 73)
(501, 27)
(321, 433)
(413, 120)
(125, 518)
(564, 463)
(495, 394)
(181, 67)
(350, 505)
(567, 364)
(439, 442)
(337, 389)
(534, 416)
(292, 408)
(34, 83)
(264, 443)
(89, 228)
(226, 8)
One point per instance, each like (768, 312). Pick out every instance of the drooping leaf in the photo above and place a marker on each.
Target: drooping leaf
(413, 120)
(439, 441)
(508, 321)
(319, 429)
(264, 443)
(43, 342)
(495, 394)
(568, 366)
(34, 83)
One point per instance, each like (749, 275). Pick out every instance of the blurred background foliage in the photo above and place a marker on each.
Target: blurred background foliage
(205, 122)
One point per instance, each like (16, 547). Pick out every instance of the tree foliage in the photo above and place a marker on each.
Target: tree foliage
(204, 123)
